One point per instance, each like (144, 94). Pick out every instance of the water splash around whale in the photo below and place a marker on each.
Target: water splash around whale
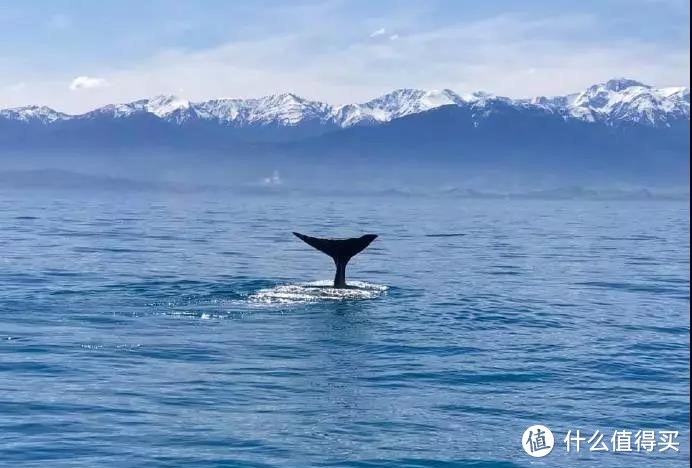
(317, 291)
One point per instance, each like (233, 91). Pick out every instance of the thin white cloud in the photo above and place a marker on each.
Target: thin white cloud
(378, 32)
(393, 37)
(87, 82)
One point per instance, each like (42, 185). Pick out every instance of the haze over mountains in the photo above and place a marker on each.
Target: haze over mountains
(619, 132)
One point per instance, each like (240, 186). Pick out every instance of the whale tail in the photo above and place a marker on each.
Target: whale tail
(341, 251)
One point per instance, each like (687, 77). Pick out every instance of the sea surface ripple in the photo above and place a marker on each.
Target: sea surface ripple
(189, 331)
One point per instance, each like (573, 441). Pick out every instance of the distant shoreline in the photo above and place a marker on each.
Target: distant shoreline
(46, 180)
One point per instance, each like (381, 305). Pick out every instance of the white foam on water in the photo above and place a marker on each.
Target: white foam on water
(317, 291)
(193, 314)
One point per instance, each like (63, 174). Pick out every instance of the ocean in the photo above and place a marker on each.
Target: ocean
(186, 330)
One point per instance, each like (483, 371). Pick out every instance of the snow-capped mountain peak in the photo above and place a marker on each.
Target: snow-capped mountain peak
(393, 105)
(405, 101)
(40, 114)
(624, 100)
(279, 109)
(480, 98)
(163, 106)
(286, 109)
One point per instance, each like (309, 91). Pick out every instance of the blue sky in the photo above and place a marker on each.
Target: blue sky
(76, 55)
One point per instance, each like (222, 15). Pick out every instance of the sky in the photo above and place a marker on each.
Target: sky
(75, 55)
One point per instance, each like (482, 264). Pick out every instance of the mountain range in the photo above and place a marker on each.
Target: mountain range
(620, 130)
(618, 101)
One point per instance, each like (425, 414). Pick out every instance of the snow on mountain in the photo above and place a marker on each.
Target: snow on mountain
(41, 114)
(618, 101)
(160, 106)
(398, 103)
(163, 106)
(283, 109)
(222, 110)
(480, 98)
(628, 101)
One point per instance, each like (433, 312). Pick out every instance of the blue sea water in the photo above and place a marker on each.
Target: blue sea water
(162, 330)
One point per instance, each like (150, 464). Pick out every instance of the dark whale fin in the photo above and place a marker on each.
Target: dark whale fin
(341, 251)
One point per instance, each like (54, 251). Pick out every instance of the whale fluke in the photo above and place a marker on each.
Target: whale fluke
(341, 251)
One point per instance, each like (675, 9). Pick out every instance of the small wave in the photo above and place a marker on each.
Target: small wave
(316, 291)
(196, 314)
(450, 234)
